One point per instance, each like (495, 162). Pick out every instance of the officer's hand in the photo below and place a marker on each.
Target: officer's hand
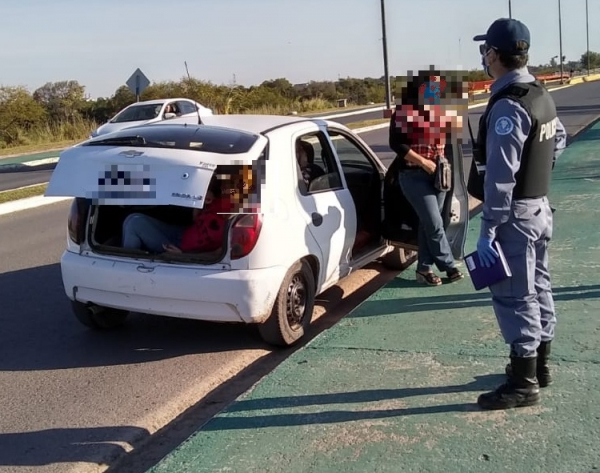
(487, 254)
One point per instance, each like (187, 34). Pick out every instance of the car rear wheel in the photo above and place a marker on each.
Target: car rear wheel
(98, 317)
(398, 259)
(293, 308)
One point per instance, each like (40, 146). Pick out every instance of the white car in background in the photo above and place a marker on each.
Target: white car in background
(150, 111)
(274, 260)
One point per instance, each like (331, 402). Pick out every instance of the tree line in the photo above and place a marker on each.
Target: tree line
(59, 111)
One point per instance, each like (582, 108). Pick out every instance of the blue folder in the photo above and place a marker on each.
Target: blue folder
(484, 277)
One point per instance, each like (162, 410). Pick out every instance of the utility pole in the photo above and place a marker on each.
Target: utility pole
(587, 32)
(560, 42)
(509, 9)
(388, 98)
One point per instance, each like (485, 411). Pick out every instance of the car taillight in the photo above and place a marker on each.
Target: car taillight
(244, 235)
(76, 222)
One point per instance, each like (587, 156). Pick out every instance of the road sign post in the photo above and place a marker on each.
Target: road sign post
(137, 83)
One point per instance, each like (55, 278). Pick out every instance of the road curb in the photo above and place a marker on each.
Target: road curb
(28, 164)
(29, 203)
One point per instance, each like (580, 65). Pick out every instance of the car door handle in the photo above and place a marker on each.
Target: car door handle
(317, 219)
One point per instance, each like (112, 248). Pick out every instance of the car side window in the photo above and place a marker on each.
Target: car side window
(316, 167)
(349, 152)
(186, 107)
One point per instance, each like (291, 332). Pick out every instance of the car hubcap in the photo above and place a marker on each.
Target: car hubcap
(296, 302)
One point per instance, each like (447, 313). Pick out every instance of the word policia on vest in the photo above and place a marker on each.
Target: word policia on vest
(548, 130)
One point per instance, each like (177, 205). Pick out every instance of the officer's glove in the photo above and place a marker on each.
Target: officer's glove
(487, 254)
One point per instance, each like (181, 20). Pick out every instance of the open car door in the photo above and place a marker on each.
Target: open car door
(401, 223)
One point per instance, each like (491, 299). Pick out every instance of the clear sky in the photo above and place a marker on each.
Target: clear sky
(101, 43)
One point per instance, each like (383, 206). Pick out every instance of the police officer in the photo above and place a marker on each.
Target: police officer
(520, 137)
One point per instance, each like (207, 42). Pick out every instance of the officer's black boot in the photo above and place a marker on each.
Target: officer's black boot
(520, 390)
(542, 371)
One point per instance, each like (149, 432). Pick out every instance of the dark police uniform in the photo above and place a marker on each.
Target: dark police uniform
(519, 139)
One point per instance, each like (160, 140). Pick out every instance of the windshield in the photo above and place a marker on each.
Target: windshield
(208, 139)
(136, 113)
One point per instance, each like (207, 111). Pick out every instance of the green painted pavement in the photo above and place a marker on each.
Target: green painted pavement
(392, 387)
(29, 157)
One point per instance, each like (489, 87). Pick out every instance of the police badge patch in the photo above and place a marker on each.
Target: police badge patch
(504, 126)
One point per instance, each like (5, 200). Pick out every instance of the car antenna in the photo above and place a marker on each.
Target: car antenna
(195, 105)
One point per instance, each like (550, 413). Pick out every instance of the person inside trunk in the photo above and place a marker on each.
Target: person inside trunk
(205, 234)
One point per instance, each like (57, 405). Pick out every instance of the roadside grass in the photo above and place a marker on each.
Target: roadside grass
(38, 148)
(301, 107)
(352, 108)
(65, 134)
(47, 136)
(22, 193)
(365, 123)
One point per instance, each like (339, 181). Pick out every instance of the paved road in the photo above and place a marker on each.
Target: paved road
(578, 105)
(73, 399)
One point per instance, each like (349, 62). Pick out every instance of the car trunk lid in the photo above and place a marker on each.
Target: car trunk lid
(151, 165)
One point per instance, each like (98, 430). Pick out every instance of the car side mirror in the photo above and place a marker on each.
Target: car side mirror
(169, 116)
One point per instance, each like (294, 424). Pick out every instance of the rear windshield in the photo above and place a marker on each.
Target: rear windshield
(203, 138)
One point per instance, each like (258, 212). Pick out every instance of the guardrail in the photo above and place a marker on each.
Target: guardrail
(483, 87)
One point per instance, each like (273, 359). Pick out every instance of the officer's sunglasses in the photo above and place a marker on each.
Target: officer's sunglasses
(485, 48)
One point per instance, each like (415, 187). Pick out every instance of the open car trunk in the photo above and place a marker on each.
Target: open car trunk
(105, 228)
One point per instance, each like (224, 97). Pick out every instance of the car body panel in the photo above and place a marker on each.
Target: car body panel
(171, 290)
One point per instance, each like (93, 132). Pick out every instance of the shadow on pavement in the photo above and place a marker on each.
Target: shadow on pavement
(371, 308)
(39, 331)
(66, 445)
(336, 416)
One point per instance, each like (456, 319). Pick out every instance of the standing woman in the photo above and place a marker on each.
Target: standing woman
(418, 130)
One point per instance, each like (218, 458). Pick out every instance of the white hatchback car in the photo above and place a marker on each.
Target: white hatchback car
(151, 111)
(274, 260)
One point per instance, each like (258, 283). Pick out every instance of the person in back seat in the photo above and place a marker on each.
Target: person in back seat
(205, 234)
(305, 154)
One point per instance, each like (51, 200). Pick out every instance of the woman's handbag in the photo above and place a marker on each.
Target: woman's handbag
(443, 174)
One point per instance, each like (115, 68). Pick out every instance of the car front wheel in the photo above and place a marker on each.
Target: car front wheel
(98, 317)
(293, 308)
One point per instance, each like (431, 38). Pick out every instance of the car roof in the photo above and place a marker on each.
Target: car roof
(253, 123)
(159, 101)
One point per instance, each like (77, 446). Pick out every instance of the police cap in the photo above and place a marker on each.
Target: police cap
(504, 34)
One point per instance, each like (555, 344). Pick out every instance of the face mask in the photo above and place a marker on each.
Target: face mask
(486, 68)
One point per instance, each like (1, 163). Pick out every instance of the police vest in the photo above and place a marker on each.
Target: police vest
(533, 177)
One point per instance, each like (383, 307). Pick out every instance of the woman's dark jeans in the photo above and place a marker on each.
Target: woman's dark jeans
(417, 186)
